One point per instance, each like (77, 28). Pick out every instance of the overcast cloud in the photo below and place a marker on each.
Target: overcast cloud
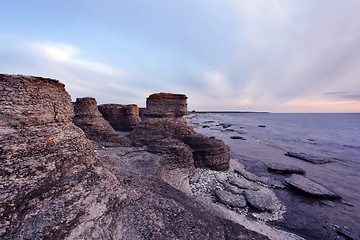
(273, 55)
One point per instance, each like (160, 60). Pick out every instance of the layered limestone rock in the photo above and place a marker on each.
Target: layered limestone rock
(163, 119)
(121, 117)
(52, 186)
(166, 105)
(90, 120)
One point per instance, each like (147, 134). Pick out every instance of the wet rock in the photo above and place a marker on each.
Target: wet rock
(306, 185)
(121, 117)
(308, 158)
(263, 200)
(237, 137)
(205, 126)
(243, 183)
(230, 199)
(284, 169)
(90, 120)
(327, 203)
(347, 232)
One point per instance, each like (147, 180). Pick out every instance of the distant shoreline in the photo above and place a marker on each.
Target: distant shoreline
(203, 112)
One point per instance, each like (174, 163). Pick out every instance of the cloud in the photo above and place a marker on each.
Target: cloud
(67, 54)
(351, 96)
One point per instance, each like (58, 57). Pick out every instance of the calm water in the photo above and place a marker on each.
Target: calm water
(334, 136)
(330, 135)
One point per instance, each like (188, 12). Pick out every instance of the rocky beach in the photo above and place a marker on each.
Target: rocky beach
(79, 170)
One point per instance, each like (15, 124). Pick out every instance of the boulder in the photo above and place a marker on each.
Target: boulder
(121, 117)
(284, 169)
(308, 157)
(263, 200)
(90, 120)
(230, 199)
(306, 185)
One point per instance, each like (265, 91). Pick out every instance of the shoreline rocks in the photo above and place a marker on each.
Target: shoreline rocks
(90, 120)
(306, 185)
(53, 186)
(284, 169)
(308, 158)
(121, 117)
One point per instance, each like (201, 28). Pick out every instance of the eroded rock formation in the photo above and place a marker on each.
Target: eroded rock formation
(163, 118)
(90, 120)
(121, 117)
(52, 185)
(166, 105)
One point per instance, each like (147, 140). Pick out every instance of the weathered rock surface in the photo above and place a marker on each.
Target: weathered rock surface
(308, 158)
(230, 199)
(90, 120)
(243, 183)
(121, 117)
(263, 200)
(306, 185)
(208, 152)
(53, 186)
(232, 188)
(166, 105)
(163, 119)
(284, 169)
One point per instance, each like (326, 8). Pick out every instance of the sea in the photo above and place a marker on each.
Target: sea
(266, 137)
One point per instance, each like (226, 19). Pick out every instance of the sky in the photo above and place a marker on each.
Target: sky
(239, 55)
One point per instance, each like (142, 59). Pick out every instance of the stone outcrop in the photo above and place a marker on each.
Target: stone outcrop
(208, 152)
(53, 186)
(309, 158)
(90, 120)
(166, 105)
(284, 169)
(309, 187)
(163, 119)
(121, 117)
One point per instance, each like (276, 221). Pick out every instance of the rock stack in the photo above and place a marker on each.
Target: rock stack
(90, 120)
(121, 117)
(52, 186)
(163, 118)
(46, 161)
(166, 105)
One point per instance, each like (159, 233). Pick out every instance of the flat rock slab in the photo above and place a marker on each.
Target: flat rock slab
(232, 188)
(306, 185)
(308, 158)
(230, 199)
(261, 200)
(284, 169)
(243, 183)
(237, 137)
